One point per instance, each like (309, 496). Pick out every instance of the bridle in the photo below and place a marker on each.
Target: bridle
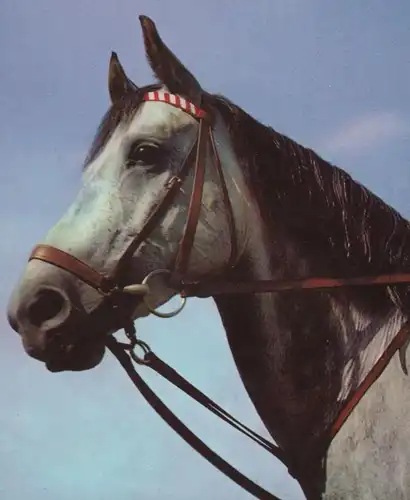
(113, 285)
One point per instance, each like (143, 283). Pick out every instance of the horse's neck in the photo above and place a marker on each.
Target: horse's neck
(298, 352)
(276, 344)
(263, 348)
(276, 368)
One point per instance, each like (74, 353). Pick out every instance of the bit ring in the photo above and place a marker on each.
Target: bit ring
(152, 310)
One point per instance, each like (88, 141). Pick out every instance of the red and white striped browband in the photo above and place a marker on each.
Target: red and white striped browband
(177, 101)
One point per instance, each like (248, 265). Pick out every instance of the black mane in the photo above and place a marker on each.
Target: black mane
(316, 205)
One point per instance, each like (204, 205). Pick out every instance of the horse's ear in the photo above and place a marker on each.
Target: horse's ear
(118, 82)
(166, 66)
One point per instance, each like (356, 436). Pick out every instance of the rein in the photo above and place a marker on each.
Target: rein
(125, 353)
(113, 286)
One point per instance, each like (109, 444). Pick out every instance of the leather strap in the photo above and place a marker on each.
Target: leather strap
(179, 427)
(372, 376)
(194, 209)
(75, 266)
(171, 190)
(268, 286)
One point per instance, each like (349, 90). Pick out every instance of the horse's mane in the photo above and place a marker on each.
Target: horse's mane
(320, 204)
(317, 205)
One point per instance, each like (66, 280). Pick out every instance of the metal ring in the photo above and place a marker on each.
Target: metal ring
(146, 350)
(159, 314)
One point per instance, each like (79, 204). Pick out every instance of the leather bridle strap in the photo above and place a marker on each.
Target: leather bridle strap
(195, 205)
(398, 341)
(194, 209)
(77, 267)
(171, 190)
(269, 286)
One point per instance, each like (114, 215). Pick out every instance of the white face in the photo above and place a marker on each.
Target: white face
(117, 197)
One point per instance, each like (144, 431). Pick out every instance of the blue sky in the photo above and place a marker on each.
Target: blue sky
(335, 76)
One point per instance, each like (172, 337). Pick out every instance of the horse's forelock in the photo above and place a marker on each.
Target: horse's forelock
(122, 110)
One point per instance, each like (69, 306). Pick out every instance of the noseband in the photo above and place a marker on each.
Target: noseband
(113, 283)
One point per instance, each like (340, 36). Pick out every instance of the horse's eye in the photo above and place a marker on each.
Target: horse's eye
(143, 154)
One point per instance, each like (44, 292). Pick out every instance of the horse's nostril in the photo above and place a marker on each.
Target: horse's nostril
(48, 304)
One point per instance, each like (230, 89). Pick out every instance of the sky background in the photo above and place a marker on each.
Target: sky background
(335, 76)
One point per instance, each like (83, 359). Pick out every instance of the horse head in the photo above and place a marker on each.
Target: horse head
(162, 201)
